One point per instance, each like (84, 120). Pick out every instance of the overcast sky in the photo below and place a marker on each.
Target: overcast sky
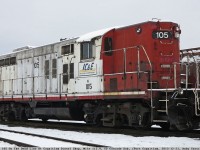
(40, 22)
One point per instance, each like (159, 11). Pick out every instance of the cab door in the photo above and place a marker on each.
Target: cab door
(68, 68)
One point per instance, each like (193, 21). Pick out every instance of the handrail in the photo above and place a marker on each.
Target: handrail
(151, 86)
(120, 49)
(119, 73)
(175, 83)
(13, 81)
(175, 73)
(197, 75)
(21, 80)
(186, 85)
(138, 48)
(197, 103)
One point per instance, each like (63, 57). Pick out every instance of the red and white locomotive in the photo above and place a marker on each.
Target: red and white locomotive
(122, 76)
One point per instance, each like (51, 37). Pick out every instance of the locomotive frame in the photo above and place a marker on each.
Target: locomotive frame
(121, 76)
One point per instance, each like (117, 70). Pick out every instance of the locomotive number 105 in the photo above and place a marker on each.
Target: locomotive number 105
(162, 35)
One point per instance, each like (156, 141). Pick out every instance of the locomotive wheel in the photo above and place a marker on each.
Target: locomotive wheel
(5, 113)
(11, 116)
(23, 116)
(180, 118)
(98, 121)
(146, 122)
(1, 113)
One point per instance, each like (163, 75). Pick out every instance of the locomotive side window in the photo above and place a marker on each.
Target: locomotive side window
(2, 62)
(7, 61)
(86, 50)
(54, 68)
(65, 74)
(72, 48)
(108, 46)
(13, 60)
(68, 49)
(46, 67)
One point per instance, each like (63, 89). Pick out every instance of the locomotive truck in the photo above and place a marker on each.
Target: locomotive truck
(121, 76)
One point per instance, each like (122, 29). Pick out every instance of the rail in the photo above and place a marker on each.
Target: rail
(53, 138)
(17, 143)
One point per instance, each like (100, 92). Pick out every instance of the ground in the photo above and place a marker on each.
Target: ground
(113, 140)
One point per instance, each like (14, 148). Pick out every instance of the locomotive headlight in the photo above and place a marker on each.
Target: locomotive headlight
(176, 35)
(177, 32)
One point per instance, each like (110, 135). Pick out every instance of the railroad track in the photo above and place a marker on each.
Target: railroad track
(93, 129)
(46, 137)
(17, 143)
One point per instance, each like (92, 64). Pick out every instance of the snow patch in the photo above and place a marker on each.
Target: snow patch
(113, 140)
(91, 35)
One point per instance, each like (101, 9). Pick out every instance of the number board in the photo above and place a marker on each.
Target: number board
(162, 34)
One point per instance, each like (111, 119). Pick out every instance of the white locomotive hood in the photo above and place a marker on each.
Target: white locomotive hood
(191, 59)
(193, 56)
